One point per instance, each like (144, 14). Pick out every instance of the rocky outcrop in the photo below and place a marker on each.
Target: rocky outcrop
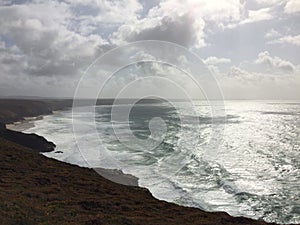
(2, 126)
(12, 110)
(33, 141)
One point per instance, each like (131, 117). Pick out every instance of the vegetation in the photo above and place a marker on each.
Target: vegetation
(38, 190)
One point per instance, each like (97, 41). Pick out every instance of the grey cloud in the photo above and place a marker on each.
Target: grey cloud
(180, 30)
(274, 64)
(45, 42)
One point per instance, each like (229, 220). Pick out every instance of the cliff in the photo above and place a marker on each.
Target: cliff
(35, 189)
(33, 141)
(40, 190)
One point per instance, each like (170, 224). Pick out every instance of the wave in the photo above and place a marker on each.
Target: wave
(240, 178)
(280, 113)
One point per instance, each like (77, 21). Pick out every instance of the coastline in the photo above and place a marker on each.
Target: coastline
(115, 175)
(26, 123)
(39, 190)
(75, 195)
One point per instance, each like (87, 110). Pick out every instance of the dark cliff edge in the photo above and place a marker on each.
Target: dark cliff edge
(35, 189)
(33, 141)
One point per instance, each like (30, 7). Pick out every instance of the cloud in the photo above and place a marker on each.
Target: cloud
(274, 64)
(292, 6)
(58, 38)
(183, 30)
(240, 83)
(272, 33)
(214, 60)
(142, 56)
(265, 77)
(178, 22)
(268, 2)
(258, 15)
(159, 79)
(48, 46)
(294, 40)
(90, 15)
(252, 16)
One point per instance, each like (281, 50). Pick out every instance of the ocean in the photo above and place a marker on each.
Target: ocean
(245, 163)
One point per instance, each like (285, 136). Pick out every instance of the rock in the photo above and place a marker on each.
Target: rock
(118, 176)
(2, 126)
(58, 152)
(33, 141)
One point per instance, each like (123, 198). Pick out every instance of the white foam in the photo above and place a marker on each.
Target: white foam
(242, 163)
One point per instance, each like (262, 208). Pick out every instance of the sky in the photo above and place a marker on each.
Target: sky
(252, 48)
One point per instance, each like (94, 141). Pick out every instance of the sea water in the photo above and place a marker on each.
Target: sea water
(254, 170)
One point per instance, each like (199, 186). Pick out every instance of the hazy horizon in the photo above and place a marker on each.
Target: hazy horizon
(195, 99)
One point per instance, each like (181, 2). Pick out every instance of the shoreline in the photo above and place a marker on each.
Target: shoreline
(39, 190)
(115, 175)
(26, 123)
(53, 173)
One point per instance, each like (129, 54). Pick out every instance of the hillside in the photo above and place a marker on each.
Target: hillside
(39, 190)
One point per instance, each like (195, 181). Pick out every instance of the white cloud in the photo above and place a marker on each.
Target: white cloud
(269, 2)
(272, 34)
(240, 83)
(266, 77)
(294, 40)
(214, 60)
(90, 15)
(252, 16)
(142, 56)
(214, 10)
(258, 15)
(41, 33)
(292, 6)
(274, 64)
